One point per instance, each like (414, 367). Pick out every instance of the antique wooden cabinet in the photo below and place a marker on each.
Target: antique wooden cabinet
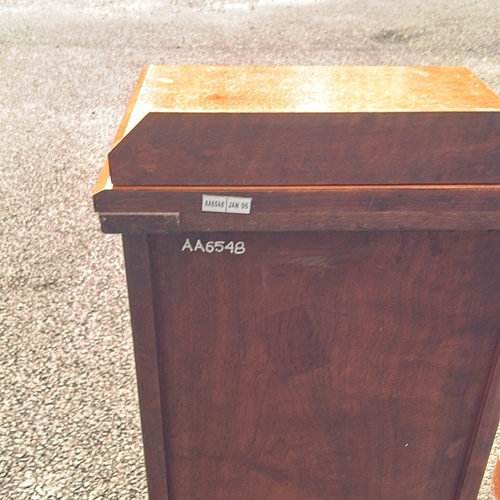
(313, 263)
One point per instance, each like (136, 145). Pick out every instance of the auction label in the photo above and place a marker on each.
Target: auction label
(226, 204)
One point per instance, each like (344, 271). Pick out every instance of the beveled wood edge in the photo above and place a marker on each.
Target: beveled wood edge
(105, 186)
(342, 221)
(350, 208)
(138, 270)
(483, 435)
(120, 133)
(209, 223)
(103, 183)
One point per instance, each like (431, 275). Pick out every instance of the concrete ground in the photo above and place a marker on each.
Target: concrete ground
(69, 421)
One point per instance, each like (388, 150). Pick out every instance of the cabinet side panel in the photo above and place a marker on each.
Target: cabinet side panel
(138, 268)
(486, 426)
(324, 365)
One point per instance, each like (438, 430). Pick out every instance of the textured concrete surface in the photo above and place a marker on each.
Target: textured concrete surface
(69, 424)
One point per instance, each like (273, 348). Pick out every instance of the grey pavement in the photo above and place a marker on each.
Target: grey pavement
(69, 420)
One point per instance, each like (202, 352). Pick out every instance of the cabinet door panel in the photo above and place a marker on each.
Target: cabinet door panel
(313, 366)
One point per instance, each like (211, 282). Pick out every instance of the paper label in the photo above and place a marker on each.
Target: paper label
(226, 204)
(212, 203)
(236, 205)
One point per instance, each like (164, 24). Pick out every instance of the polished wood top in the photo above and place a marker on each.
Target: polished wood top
(307, 126)
(307, 89)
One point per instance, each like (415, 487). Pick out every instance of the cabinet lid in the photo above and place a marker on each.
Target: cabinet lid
(307, 126)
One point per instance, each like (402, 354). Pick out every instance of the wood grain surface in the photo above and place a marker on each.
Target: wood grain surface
(495, 480)
(138, 267)
(306, 208)
(140, 223)
(309, 149)
(351, 351)
(330, 89)
(307, 126)
(326, 365)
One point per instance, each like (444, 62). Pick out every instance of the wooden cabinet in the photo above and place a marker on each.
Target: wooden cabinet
(313, 263)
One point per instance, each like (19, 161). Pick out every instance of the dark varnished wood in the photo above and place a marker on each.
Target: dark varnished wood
(140, 223)
(308, 126)
(310, 221)
(484, 434)
(352, 351)
(327, 365)
(138, 266)
(302, 208)
(309, 149)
